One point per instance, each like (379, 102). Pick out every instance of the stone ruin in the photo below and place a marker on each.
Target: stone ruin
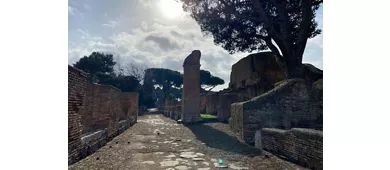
(189, 108)
(191, 88)
(264, 109)
(96, 114)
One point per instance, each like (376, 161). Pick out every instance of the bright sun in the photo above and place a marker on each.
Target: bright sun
(171, 8)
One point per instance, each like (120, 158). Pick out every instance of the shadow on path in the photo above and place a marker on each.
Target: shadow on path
(220, 140)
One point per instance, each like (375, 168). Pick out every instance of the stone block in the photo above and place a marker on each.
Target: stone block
(286, 106)
(212, 103)
(303, 146)
(225, 100)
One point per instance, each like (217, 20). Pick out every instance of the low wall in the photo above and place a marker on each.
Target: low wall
(129, 102)
(303, 146)
(224, 102)
(212, 103)
(287, 106)
(105, 106)
(95, 108)
(203, 103)
(177, 112)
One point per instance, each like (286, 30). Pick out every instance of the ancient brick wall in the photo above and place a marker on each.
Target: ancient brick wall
(129, 102)
(304, 146)
(212, 103)
(105, 106)
(77, 81)
(287, 106)
(203, 103)
(255, 68)
(224, 102)
(96, 113)
(102, 108)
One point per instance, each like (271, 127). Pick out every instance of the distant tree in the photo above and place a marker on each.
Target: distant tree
(147, 95)
(133, 69)
(209, 81)
(164, 78)
(97, 65)
(283, 26)
(125, 83)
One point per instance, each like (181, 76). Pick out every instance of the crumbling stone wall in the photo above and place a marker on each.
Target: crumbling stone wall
(287, 106)
(256, 68)
(304, 146)
(224, 102)
(77, 81)
(212, 103)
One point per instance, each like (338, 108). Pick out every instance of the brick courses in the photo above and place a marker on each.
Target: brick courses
(303, 146)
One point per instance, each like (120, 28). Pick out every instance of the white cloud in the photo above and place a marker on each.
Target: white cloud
(86, 36)
(71, 10)
(111, 24)
(149, 39)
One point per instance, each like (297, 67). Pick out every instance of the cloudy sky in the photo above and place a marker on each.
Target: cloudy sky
(153, 32)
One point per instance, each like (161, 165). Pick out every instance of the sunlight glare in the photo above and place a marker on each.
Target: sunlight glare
(171, 8)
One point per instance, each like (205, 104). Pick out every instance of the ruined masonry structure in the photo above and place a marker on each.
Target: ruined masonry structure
(191, 88)
(292, 104)
(96, 114)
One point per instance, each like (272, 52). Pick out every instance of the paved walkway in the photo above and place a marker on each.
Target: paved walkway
(157, 142)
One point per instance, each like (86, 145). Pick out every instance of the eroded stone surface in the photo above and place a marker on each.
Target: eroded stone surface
(237, 167)
(135, 150)
(181, 167)
(169, 163)
(170, 156)
(188, 155)
(148, 162)
(198, 159)
(200, 154)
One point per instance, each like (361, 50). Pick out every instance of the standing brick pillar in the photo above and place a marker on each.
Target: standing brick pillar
(191, 88)
(224, 105)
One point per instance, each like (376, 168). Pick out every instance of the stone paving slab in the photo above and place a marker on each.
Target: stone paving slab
(159, 143)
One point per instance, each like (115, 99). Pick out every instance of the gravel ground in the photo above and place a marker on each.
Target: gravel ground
(157, 142)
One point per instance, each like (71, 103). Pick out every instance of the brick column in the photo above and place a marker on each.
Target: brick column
(191, 88)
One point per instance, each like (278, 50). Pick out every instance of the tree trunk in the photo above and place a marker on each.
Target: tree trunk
(290, 66)
(294, 67)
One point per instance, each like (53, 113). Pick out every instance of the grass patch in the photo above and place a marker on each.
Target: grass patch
(207, 116)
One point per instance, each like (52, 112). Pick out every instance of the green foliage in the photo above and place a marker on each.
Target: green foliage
(252, 25)
(96, 65)
(207, 116)
(123, 82)
(147, 95)
(163, 77)
(209, 81)
(100, 66)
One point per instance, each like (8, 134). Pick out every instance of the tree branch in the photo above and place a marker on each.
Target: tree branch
(285, 24)
(279, 59)
(317, 3)
(210, 89)
(304, 28)
(270, 29)
(232, 10)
